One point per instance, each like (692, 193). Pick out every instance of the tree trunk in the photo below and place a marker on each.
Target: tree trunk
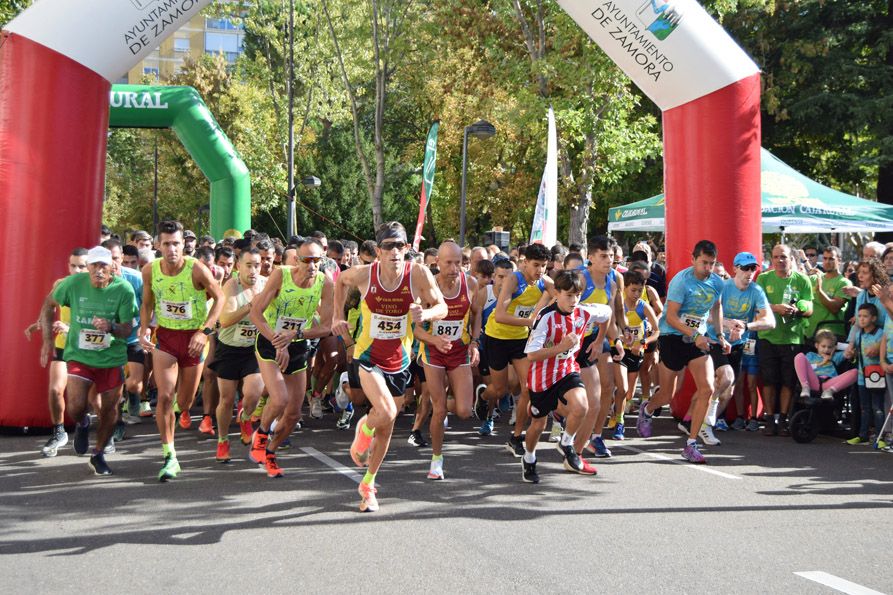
(885, 170)
(579, 220)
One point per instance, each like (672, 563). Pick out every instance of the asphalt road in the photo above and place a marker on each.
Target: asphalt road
(763, 510)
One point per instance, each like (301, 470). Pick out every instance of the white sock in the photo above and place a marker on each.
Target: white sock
(529, 457)
(567, 439)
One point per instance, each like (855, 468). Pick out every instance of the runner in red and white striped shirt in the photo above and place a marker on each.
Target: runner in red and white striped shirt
(554, 375)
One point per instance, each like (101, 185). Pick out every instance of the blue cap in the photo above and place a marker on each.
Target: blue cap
(743, 259)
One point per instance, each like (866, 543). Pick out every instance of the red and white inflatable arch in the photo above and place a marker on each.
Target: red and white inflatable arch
(57, 61)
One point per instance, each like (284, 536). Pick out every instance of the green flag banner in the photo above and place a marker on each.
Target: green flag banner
(427, 181)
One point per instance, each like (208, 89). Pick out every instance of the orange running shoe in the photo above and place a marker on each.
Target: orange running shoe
(245, 429)
(368, 501)
(206, 427)
(273, 468)
(359, 449)
(223, 452)
(185, 420)
(258, 452)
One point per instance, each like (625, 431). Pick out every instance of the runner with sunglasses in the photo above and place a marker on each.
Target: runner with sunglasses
(284, 316)
(395, 295)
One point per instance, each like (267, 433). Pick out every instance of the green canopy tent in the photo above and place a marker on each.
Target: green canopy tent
(791, 203)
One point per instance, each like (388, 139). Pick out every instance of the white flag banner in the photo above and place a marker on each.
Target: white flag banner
(545, 220)
(107, 36)
(673, 50)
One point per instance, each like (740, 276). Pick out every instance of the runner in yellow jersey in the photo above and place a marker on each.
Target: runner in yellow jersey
(77, 263)
(651, 355)
(284, 316)
(175, 290)
(521, 297)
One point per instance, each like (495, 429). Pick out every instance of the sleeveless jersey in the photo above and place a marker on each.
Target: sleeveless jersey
(293, 308)
(455, 324)
(523, 301)
(243, 333)
(64, 316)
(634, 325)
(385, 336)
(595, 295)
(178, 304)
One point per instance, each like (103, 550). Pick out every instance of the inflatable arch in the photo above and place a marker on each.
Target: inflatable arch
(53, 137)
(182, 110)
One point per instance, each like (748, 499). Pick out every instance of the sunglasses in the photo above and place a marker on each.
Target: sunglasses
(310, 259)
(392, 245)
(749, 268)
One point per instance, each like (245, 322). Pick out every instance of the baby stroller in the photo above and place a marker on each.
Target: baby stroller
(814, 415)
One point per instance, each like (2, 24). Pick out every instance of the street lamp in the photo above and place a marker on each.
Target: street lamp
(291, 225)
(482, 130)
(306, 182)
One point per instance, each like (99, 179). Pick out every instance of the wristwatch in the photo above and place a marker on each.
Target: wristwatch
(207, 331)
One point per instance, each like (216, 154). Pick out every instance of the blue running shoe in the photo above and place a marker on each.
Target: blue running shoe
(618, 432)
(597, 448)
(486, 427)
(721, 425)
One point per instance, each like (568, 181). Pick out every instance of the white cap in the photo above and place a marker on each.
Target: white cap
(99, 254)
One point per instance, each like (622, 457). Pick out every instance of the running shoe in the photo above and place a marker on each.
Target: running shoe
(753, 425)
(145, 409)
(721, 425)
(691, 454)
(273, 468)
(341, 398)
(436, 470)
(514, 416)
(572, 460)
(880, 445)
(56, 441)
(359, 448)
(528, 472)
(258, 452)
(712, 412)
(206, 427)
(505, 403)
(771, 428)
(784, 428)
(285, 444)
(329, 405)
(110, 448)
(368, 501)
(857, 440)
(486, 427)
(169, 469)
(343, 422)
(596, 447)
(245, 428)
(612, 423)
(118, 433)
(516, 445)
(588, 468)
(98, 464)
(185, 420)
(619, 432)
(82, 435)
(316, 407)
(555, 432)
(739, 424)
(643, 423)
(223, 452)
(416, 439)
(481, 407)
(706, 434)
(684, 426)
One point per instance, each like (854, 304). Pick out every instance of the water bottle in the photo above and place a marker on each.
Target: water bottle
(786, 299)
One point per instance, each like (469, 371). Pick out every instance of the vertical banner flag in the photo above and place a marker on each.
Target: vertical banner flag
(427, 181)
(545, 220)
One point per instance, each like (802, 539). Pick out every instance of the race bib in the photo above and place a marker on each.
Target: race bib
(450, 329)
(177, 310)
(523, 311)
(750, 347)
(692, 321)
(387, 327)
(634, 333)
(245, 335)
(93, 340)
(289, 323)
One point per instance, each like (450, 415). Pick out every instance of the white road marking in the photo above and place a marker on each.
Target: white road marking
(837, 583)
(664, 457)
(329, 461)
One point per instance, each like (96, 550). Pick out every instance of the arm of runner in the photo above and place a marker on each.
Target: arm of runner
(651, 315)
(146, 310)
(716, 314)
(352, 277)
(202, 278)
(536, 350)
(432, 306)
(260, 303)
(325, 311)
(45, 321)
(232, 313)
(479, 297)
(654, 300)
(500, 310)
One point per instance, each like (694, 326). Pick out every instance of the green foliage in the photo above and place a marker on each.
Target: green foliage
(10, 8)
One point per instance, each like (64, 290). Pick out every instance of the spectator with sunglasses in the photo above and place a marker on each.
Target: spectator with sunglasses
(830, 296)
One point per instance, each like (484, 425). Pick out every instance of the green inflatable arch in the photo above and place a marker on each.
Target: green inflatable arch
(182, 109)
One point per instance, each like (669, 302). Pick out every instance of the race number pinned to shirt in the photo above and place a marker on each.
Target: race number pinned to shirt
(290, 323)
(93, 340)
(246, 333)
(450, 329)
(750, 347)
(523, 311)
(387, 327)
(692, 321)
(177, 310)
